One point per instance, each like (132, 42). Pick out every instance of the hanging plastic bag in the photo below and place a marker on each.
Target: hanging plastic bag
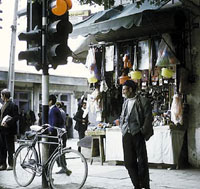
(103, 86)
(166, 52)
(177, 110)
(92, 67)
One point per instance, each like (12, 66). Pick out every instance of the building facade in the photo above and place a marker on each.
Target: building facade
(28, 90)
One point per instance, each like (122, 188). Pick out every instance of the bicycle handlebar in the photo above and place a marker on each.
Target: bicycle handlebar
(44, 127)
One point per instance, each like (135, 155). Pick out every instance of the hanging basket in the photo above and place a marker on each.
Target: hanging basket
(122, 79)
(136, 75)
(92, 79)
(167, 73)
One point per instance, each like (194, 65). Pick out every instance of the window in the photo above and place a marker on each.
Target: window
(23, 96)
(64, 97)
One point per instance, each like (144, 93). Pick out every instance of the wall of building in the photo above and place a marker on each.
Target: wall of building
(194, 99)
(28, 91)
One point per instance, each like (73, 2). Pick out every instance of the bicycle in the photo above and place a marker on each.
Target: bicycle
(28, 164)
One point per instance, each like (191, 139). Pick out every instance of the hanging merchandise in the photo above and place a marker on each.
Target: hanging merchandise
(116, 62)
(92, 79)
(97, 101)
(109, 58)
(167, 73)
(135, 74)
(103, 86)
(123, 78)
(91, 65)
(127, 62)
(177, 110)
(143, 52)
(166, 52)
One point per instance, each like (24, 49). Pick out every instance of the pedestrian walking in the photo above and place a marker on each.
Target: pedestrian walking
(22, 123)
(82, 122)
(69, 128)
(8, 130)
(136, 126)
(63, 114)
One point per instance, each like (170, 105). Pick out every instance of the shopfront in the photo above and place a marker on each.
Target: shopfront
(148, 47)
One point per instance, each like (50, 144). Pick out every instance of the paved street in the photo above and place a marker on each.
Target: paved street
(116, 177)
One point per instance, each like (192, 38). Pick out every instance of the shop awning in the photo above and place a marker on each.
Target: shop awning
(127, 21)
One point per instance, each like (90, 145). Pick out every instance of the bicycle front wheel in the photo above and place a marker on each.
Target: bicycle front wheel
(24, 165)
(68, 170)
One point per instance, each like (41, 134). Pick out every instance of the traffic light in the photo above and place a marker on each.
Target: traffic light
(33, 35)
(58, 30)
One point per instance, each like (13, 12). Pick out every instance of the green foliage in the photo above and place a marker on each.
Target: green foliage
(110, 3)
(105, 3)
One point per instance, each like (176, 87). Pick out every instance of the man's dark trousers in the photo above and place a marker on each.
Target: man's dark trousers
(135, 159)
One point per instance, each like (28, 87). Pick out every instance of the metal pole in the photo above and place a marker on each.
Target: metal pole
(45, 88)
(11, 72)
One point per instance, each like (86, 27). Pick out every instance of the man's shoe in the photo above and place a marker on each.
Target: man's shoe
(66, 171)
(10, 168)
(2, 167)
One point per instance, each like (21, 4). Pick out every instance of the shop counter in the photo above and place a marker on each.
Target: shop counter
(163, 147)
(114, 150)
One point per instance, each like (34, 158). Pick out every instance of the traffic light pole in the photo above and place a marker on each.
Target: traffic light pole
(45, 87)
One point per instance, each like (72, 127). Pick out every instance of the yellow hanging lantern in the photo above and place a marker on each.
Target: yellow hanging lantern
(92, 79)
(167, 73)
(136, 75)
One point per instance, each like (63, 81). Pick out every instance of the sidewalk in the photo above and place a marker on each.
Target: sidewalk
(116, 177)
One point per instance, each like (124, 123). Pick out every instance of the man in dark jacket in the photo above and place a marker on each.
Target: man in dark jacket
(55, 119)
(8, 128)
(81, 119)
(136, 126)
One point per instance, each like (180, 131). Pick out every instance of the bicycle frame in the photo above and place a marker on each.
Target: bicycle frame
(36, 140)
(69, 163)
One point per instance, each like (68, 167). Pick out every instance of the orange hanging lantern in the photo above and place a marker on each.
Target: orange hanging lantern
(122, 79)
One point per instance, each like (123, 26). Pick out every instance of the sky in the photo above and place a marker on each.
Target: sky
(71, 69)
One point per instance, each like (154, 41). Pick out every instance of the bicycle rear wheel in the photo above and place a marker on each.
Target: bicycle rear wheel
(68, 170)
(24, 165)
